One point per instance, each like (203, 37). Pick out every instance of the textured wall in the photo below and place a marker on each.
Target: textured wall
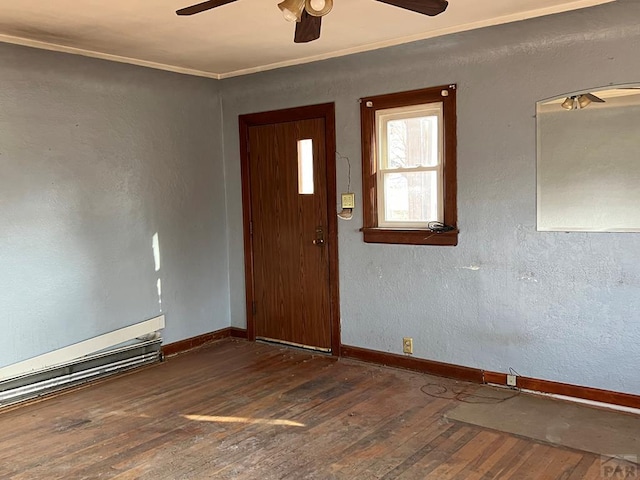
(564, 307)
(96, 157)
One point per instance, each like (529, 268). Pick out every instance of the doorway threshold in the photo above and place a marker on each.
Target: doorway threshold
(273, 341)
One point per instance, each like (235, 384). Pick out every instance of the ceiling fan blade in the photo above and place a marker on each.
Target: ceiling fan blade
(426, 7)
(202, 7)
(593, 98)
(308, 28)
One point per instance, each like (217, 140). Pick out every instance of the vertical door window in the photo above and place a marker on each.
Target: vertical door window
(305, 167)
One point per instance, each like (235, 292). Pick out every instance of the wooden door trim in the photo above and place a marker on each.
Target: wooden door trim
(327, 112)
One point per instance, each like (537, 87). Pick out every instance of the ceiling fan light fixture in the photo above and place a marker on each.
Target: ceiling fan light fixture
(568, 103)
(583, 101)
(578, 102)
(318, 8)
(292, 9)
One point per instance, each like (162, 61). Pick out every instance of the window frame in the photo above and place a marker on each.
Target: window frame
(369, 106)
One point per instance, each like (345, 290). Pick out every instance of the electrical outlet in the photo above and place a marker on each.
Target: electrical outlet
(512, 380)
(407, 345)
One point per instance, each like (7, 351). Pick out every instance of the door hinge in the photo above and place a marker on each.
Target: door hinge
(253, 308)
(250, 228)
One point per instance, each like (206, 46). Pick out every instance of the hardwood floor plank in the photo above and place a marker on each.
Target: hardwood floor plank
(311, 414)
(162, 399)
(486, 450)
(465, 456)
(428, 457)
(373, 457)
(558, 465)
(479, 469)
(539, 462)
(244, 411)
(507, 461)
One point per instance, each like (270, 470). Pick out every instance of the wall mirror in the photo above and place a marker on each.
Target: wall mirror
(588, 168)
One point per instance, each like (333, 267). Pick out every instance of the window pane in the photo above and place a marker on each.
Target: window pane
(305, 167)
(412, 142)
(411, 197)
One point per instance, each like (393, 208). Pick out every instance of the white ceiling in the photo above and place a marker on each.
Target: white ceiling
(242, 37)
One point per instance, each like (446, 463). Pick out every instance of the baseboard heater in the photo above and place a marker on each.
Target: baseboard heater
(77, 371)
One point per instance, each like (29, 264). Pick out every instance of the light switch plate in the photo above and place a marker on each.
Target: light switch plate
(348, 200)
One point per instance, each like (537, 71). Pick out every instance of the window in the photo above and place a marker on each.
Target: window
(409, 167)
(305, 167)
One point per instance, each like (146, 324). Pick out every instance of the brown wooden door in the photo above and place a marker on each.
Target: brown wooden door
(289, 233)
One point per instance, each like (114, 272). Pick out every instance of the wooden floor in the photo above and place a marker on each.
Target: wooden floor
(240, 410)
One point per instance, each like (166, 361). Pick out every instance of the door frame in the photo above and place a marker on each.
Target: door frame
(327, 112)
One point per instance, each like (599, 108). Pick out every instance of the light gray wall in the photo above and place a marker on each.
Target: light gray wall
(96, 157)
(558, 306)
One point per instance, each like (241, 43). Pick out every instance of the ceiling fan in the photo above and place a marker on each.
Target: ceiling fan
(308, 13)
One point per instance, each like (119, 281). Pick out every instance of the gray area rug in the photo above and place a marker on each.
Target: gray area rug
(595, 430)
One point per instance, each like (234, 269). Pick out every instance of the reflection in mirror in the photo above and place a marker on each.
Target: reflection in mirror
(589, 161)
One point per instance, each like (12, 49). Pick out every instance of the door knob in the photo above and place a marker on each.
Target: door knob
(319, 240)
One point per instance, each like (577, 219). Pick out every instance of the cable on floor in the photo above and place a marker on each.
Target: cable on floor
(461, 395)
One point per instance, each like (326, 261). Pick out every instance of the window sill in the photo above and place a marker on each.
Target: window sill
(409, 236)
